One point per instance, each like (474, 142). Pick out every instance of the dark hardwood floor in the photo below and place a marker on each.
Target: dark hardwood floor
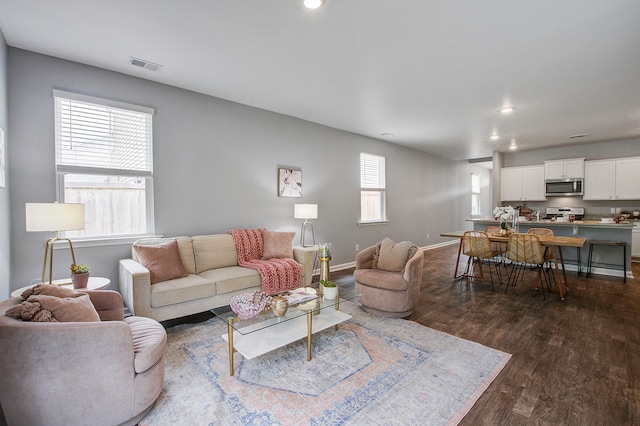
(574, 362)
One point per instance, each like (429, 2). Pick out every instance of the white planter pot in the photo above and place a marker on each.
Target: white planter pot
(330, 292)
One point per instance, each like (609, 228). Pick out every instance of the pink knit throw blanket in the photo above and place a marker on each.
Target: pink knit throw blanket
(277, 275)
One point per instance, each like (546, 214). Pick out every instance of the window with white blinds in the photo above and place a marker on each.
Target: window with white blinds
(475, 195)
(372, 188)
(104, 159)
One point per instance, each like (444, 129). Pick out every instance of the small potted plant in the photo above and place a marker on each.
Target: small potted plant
(79, 275)
(330, 289)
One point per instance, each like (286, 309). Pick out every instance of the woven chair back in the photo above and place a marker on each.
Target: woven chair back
(525, 248)
(545, 232)
(477, 244)
(492, 230)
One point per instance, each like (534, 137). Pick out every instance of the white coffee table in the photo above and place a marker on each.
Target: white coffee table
(95, 283)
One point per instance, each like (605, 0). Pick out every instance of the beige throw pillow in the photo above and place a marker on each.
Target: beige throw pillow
(68, 309)
(393, 256)
(277, 244)
(163, 261)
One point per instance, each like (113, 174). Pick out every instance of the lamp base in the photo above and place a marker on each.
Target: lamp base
(303, 232)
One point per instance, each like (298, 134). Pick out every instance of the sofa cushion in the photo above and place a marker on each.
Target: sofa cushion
(185, 246)
(163, 261)
(149, 341)
(277, 244)
(233, 278)
(68, 309)
(214, 251)
(393, 257)
(179, 290)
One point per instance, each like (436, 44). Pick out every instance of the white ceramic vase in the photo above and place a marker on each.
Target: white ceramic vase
(330, 292)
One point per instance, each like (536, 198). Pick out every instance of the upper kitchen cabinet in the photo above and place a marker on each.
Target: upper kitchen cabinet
(523, 183)
(564, 169)
(612, 179)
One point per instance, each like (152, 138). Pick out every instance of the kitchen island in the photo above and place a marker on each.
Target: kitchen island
(603, 256)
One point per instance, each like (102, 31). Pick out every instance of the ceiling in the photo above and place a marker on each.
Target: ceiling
(424, 74)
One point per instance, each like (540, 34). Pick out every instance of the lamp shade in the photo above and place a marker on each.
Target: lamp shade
(305, 211)
(54, 217)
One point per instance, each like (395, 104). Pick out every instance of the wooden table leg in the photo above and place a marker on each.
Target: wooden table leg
(455, 273)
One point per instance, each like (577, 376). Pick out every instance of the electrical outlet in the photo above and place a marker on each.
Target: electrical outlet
(357, 247)
(427, 235)
(613, 209)
(618, 210)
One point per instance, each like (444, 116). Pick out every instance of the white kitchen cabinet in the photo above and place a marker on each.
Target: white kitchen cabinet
(523, 183)
(612, 179)
(564, 169)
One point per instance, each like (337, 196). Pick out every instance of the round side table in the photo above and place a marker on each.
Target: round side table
(95, 283)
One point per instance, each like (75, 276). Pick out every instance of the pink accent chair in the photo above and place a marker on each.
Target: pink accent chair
(70, 373)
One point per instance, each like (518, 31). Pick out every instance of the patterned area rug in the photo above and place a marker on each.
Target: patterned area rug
(371, 370)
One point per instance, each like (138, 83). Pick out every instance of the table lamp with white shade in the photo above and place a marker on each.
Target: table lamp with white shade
(54, 217)
(306, 212)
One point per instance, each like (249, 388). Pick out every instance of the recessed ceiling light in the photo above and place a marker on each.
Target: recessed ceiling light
(495, 137)
(513, 147)
(313, 4)
(507, 110)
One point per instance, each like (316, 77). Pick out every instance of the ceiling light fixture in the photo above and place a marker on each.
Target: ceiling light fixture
(495, 137)
(513, 147)
(507, 110)
(313, 4)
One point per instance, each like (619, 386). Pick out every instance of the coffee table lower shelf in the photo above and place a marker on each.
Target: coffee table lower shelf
(265, 340)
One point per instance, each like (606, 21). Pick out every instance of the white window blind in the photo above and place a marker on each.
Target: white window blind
(371, 171)
(105, 136)
(104, 161)
(475, 195)
(372, 188)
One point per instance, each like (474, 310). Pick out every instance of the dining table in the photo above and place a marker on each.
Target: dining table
(557, 242)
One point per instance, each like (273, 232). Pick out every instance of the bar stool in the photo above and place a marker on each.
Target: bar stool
(609, 243)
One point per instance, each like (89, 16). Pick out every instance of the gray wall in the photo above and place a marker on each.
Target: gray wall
(215, 166)
(5, 213)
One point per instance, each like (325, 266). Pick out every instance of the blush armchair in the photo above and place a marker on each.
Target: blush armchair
(388, 278)
(106, 372)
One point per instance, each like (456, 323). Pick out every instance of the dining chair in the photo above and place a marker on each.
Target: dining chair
(477, 246)
(498, 246)
(525, 251)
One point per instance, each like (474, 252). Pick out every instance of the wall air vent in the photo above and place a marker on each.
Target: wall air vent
(144, 64)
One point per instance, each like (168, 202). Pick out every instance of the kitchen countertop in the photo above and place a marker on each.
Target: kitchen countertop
(546, 222)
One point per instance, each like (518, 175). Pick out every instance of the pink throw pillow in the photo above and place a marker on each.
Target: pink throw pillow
(278, 245)
(68, 309)
(163, 261)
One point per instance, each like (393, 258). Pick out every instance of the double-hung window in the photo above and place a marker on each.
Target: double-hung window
(372, 189)
(475, 195)
(104, 160)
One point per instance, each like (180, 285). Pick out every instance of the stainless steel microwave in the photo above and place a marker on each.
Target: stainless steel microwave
(563, 187)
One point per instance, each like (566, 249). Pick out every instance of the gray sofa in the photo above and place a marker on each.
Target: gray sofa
(211, 262)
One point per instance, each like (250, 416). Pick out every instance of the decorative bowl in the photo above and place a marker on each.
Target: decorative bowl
(249, 305)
